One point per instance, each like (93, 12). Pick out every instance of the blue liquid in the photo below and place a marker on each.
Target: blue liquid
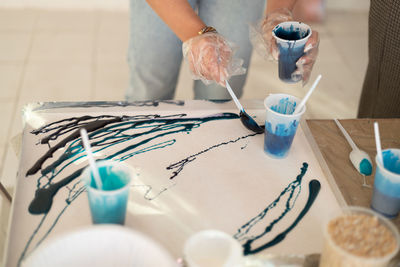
(276, 145)
(290, 34)
(386, 196)
(109, 208)
(278, 141)
(287, 61)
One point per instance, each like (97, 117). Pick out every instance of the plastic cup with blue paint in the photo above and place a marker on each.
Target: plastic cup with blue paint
(280, 123)
(108, 204)
(212, 248)
(386, 195)
(291, 37)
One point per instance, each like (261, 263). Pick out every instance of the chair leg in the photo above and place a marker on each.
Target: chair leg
(4, 192)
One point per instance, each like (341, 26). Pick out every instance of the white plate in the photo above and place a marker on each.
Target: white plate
(100, 245)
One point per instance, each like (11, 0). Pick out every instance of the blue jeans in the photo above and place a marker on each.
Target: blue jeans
(155, 53)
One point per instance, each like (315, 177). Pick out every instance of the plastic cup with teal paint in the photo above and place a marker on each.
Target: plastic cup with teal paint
(386, 195)
(108, 204)
(291, 38)
(280, 124)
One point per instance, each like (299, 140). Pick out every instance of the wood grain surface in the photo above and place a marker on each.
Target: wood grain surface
(335, 150)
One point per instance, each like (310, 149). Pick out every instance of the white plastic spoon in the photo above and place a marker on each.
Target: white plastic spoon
(246, 119)
(303, 102)
(359, 158)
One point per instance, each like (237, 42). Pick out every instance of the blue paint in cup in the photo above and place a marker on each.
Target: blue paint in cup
(386, 195)
(108, 204)
(280, 124)
(291, 37)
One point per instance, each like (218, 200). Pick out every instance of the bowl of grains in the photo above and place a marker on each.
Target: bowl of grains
(359, 237)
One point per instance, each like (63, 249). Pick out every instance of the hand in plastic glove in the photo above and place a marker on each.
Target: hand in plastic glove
(263, 34)
(268, 24)
(306, 62)
(210, 58)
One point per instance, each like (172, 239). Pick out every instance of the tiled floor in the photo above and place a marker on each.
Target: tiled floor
(48, 55)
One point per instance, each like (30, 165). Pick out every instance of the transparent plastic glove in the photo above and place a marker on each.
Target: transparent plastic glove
(265, 44)
(211, 58)
(306, 62)
(261, 34)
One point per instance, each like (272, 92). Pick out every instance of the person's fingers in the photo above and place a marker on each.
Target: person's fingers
(306, 62)
(312, 42)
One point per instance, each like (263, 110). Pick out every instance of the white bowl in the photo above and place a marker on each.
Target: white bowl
(100, 245)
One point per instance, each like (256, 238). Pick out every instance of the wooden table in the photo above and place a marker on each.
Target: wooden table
(336, 150)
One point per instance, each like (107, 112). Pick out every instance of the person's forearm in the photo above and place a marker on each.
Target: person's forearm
(276, 4)
(179, 16)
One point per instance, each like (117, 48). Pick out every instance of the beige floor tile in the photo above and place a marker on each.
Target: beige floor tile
(5, 209)
(57, 81)
(8, 174)
(68, 47)
(112, 47)
(10, 76)
(6, 111)
(347, 22)
(111, 81)
(14, 46)
(354, 52)
(113, 22)
(15, 20)
(77, 21)
(328, 51)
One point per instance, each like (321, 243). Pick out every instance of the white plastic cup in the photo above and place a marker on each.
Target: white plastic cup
(213, 248)
(280, 123)
(335, 256)
(108, 204)
(291, 38)
(386, 196)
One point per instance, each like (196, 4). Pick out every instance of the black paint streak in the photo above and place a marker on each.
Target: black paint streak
(181, 164)
(314, 188)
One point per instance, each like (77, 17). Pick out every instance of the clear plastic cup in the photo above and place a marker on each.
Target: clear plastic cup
(356, 231)
(386, 196)
(213, 248)
(280, 123)
(108, 204)
(291, 37)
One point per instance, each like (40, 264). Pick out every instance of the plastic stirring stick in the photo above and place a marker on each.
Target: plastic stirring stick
(378, 142)
(239, 106)
(303, 102)
(92, 163)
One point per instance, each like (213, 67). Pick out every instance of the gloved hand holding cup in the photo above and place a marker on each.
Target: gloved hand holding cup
(267, 45)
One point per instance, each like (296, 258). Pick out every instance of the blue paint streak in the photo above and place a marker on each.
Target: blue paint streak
(284, 106)
(314, 188)
(295, 186)
(103, 134)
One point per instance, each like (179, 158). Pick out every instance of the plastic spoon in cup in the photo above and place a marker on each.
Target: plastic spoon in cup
(378, 143)
(92, 163)
(246, 119)
(303, 102)
(359, 158)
